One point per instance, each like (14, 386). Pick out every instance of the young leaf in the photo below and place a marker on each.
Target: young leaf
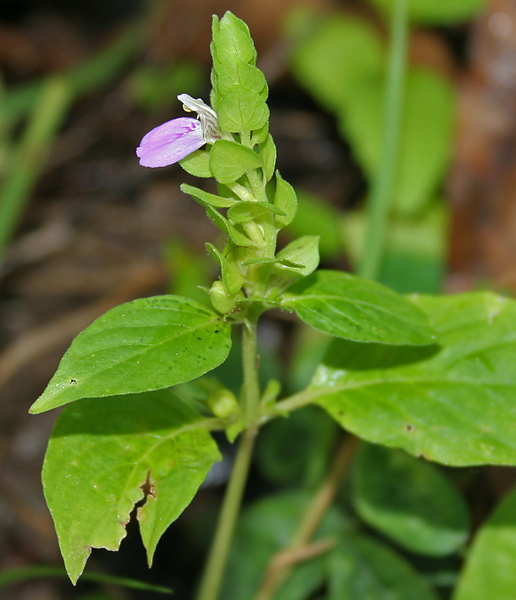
(357, 309)
(231, 37)
(231, 276)
(230, 160)
(241, 109)
(455, 406)
(268, 154)
(303, 251)
(362, 568)
(143, 345)
(104, 457)
(243, 212)
(197, 164)
(490, 566)
(205, 198)
(410, 501)
(285, 200)
(234, 71)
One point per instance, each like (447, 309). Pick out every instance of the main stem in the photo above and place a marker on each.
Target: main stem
(382, 189)
(209, 588)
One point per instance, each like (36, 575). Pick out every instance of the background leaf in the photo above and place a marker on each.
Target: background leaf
(357, 309)
(265, 528)
(139, 346)
(362, 568)
(327, 63)
(409, 500)
(457, 406)
(102, 455)
(351, 84)
(490, 570)
(436, 12)
(426, 134)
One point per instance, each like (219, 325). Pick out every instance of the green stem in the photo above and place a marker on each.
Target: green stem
(251, 386)
(211, 581)
(382, 187)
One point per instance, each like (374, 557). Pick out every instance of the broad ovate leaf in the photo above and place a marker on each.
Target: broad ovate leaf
(490, 570)
(143, 345)
(356, 309)
(409, 500)
(454, 404)
(105, 456)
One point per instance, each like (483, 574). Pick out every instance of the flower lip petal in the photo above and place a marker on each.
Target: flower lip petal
(170, 142)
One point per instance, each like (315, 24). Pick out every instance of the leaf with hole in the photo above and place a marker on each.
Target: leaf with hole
(105, 456)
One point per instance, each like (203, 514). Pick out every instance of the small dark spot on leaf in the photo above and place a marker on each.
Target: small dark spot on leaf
(217, 331)
(409, 428)
(341, 413)
(200, 339)
(73, 381)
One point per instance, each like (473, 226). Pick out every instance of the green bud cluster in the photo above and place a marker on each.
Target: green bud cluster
(253, 202)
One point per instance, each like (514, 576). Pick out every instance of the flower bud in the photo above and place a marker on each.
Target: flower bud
(223, 403)
(221, 301)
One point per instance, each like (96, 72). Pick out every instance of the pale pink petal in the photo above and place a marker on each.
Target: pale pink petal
(170, 142)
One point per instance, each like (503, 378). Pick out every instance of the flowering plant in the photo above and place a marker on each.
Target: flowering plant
(423, 374)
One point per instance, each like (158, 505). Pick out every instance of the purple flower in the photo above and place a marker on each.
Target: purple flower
(169, 143)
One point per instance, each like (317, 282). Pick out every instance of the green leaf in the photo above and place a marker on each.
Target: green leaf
(242, 110)
(205, 198)
(139, 346)
(286, 463)
(362, 568)
(357, 309)
(490, 570)
(285, 200)
(230, 160)
(237, 236)
(197, 164)
(426, 134)
(327, 63)
(231, 37)
(234, 71)
(409, 500)
(104, 457)
(438, 12)
(454, 406)
(268, 154)
(231, 276)
(244, 212)
(303, 251)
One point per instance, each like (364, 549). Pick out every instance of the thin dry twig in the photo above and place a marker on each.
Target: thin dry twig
(301, 548)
